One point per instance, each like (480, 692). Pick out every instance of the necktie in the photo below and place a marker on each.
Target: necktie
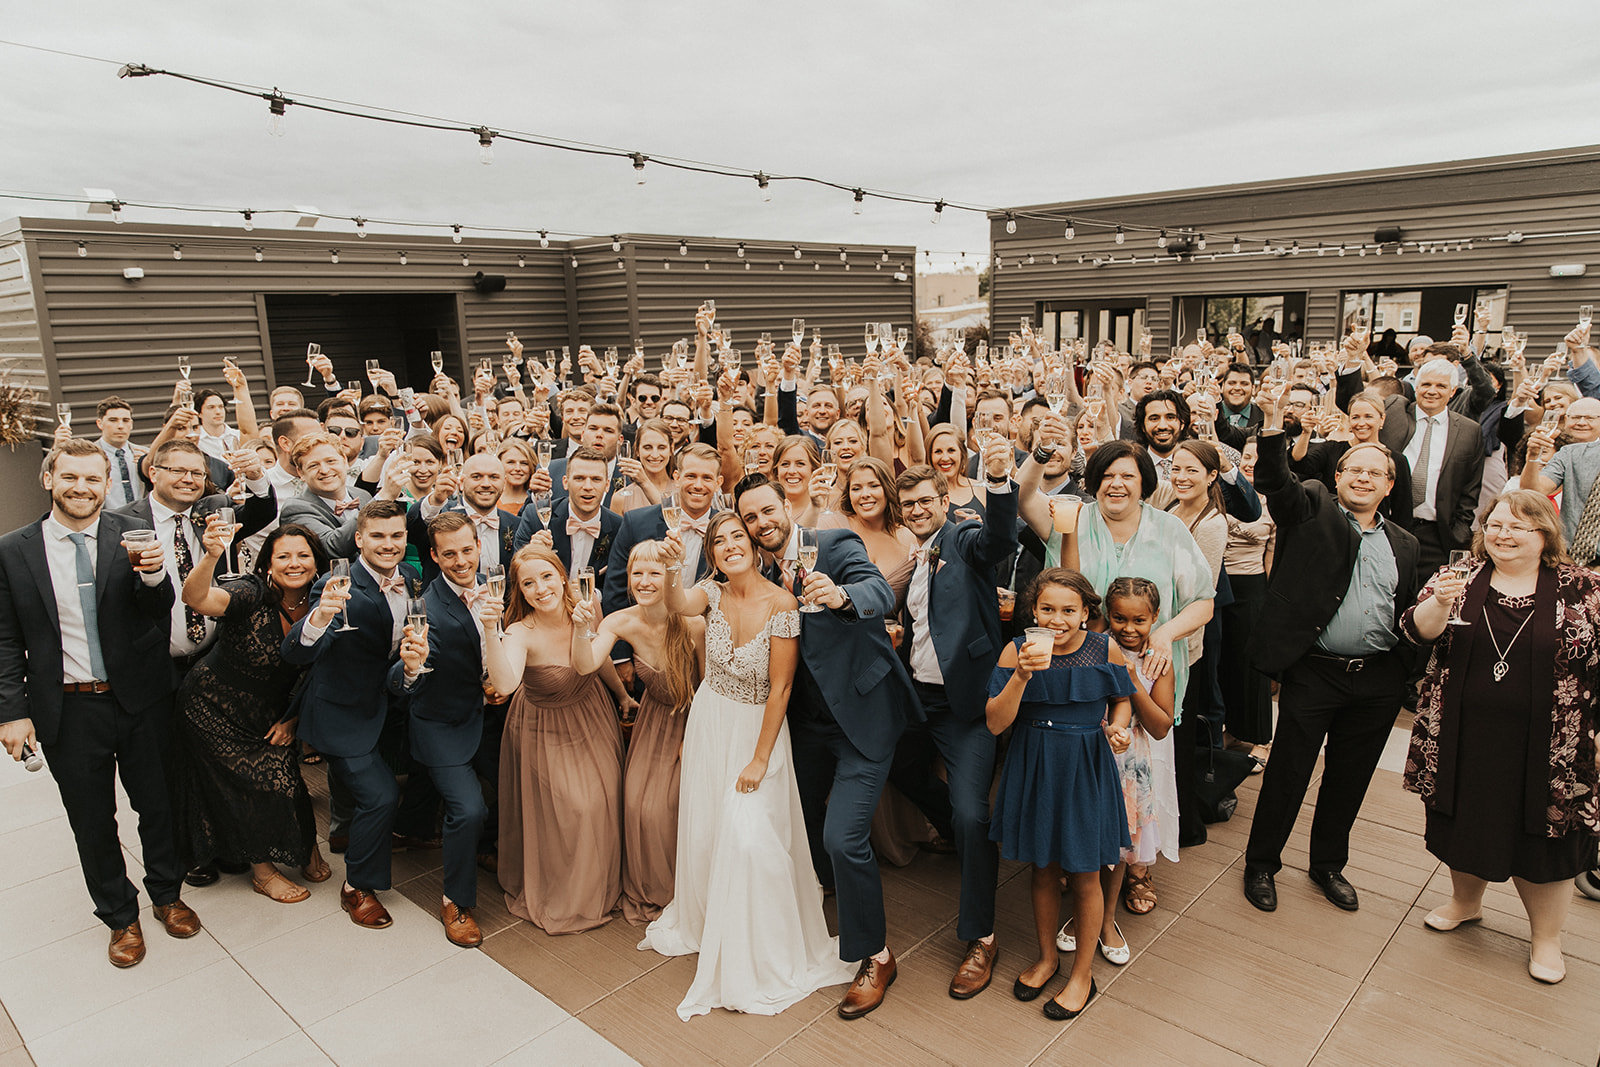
(395, 583)
(1586, 541)
(127, 479)
(577, 526)
(787, 568)
(86, 598)
(194, 623)
(347, 504)
(1419, 477)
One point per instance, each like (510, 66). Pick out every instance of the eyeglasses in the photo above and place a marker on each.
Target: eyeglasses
(348, 431)
(1494, 529)
(675, 420)
(1371, 472)
(182, 473)
(921, 503)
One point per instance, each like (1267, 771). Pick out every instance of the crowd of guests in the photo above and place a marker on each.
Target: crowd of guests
(701, 645)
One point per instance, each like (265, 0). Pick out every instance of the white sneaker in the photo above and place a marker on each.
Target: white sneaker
(1064, 941)
(1589, 884)
(1119, 956)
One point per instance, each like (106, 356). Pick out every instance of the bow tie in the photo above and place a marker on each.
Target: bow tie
(470, 597)
(578, 526)
(341, 506)
(490, 521)
(694, 526)
(922, 555)
(395, 583)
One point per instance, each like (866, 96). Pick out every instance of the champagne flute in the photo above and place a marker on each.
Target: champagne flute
(494, 580)
(1460, 567)
(455, 459)
(313, 350)
(183, 367)
(798, 329)
(901, 336)
(807, 553)
(872, 337)
(546, 450)
(542, 505)
(437, 359)
(373, 370)
(225, 517)
(828, 467)
(1055, 391)
(671, 510)
(64, 415)
(339, 578)
(584, 591)
(417, 620)
(1585, 314)
(1461, 314)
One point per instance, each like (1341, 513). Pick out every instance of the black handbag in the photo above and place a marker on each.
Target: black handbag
(1217, 773)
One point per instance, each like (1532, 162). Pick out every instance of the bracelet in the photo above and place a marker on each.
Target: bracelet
(1044, 453)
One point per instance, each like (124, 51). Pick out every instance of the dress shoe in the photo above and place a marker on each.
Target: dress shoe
(1437, 921)
(866, 992)
(459, 925)
(127, 946)
(489, 861)
(975, 972)
(179, 919)
(1118, 956)
(338, 842)
(1260, 889)
(203, 875)
(1340, 893)
(1064, 941)
(405, 842)
(1025, 992)
(1053, 1010)
(365, 909)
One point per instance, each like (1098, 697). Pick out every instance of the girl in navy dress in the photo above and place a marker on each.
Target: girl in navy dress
(1059, 806)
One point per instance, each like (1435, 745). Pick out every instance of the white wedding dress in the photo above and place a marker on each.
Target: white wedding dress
(746, 896)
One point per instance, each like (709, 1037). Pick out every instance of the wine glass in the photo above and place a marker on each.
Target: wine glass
(437, 359)
(671, 510)
(64, 415)
(183, 367)
(225, 517)
(807, 558)
(1461, 314)
(798, 329)
(1585, 314)
(339, 578)
(373, 370)
(872, 337)
(417, 620)
(455, 459)
(1460, 567)
(313, 350)
(494, 580)
(545, 450)
(542, 506)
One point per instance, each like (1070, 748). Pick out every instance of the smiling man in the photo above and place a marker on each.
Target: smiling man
(1444, 450)
(699, 479)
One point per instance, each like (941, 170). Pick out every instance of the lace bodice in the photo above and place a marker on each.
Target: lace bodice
(741, 673)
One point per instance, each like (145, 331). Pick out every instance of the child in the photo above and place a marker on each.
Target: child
(1149, 783)
(1059, 805)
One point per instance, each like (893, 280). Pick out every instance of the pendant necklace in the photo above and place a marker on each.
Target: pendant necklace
(1501, 668)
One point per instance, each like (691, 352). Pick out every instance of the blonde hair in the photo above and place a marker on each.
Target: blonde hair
(519, 608)
(1535, 509)
(681, 671)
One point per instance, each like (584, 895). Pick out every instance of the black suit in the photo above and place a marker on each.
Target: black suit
(1460, 478)
(89, 738)
(1352, 704)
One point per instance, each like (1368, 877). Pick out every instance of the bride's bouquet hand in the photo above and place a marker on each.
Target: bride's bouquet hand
(750, 778)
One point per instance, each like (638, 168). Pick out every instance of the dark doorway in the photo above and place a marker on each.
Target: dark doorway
(398, 330)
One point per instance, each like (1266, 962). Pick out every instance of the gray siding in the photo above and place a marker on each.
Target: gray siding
(21, 348)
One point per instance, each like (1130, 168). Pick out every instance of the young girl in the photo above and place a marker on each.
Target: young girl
(1059, 805)
(1149, 783)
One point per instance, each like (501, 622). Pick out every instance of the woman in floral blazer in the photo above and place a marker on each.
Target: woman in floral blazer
(1503, 746)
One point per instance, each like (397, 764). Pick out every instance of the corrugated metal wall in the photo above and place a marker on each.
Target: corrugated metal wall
(1444, 202)
(21, 347)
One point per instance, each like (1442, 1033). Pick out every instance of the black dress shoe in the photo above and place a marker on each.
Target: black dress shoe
(205, 874)
(1260, 890)
(1340, 893)
(1055, 1011)
(338, 842)
(1025, 992)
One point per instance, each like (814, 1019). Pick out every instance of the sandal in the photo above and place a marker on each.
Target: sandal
(277, 876)
(1139, 893)
(319, 872)
(311, 757)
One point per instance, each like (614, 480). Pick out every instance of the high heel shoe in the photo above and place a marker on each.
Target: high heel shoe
(1025, 992)
(1055, 1011)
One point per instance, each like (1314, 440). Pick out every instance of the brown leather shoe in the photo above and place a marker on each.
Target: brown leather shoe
(365, 909)
(489, 861)
(179, 919)
(866, 992)
(975, 972)
(459, 925)
(127, 946)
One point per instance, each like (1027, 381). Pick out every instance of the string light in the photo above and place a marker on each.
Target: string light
(938, 212)
(83, 250)
(455, 235)
(361, 227)
(260, 255)
(177, 251)
(638, 167)
(522, 260)
(883, 257)
(844, 257)
(1071, 231)
(465, 262)
(747, 264)
(333, 255)
(248, 224)
(1119, 238)
(544, 238)
(402, 259)
(1200, 241)
(619, 263)
(616, 242)
(116, 212)
(741, 250)
(486, 138)
(708, 264)
(1011, 222)
(1236, 245)
(683, 248)
(765, 186)
(796, 251)
(861, 198)
(277, 105)
(1161, 241)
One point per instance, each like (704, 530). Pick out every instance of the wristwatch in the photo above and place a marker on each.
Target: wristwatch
(1044, 453)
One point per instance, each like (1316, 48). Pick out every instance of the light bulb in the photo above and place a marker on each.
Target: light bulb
(248, 223)
(741, 250)
(1011, 223)
(259, 254)
(574, 262)
(177, 251)
(844, 257)
(765, 185)
(1030, 259)
(796, 251)
(1120, 237)
(465, 262)
(708, 264)
(666, 264)
(638, 166)
(1236, 244)
(522, 261)
(883, 257)
(1200, 241)
(1161, 241)
(815, 265)
(616, 243)
(1070, 232)
(83, 250)
(402, 259)
(116, 212)
(619, 263)
(683, 248)
(938, 211)
(1055, 260)
(361, 227)
(455, 235)
(333, 254)
(780, 264)
(544, 238)
(747, 264)
(1294, 248)
(277, 104)
(861, 198)
(486, 138)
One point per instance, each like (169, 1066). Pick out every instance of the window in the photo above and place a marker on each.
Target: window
(1411, 313)
(1408, 319)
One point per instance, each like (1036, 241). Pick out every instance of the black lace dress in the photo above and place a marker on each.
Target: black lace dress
(239, 798)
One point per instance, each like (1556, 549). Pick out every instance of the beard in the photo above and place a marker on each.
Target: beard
(1293, 426)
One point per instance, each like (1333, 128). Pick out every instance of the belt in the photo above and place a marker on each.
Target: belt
(927, 687)
(86, 687)
(1067, 727)
(1349, 664)
(183, 663)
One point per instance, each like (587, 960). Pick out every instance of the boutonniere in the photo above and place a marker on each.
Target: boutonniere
(617, 482)
(602, 546)
(933, 559)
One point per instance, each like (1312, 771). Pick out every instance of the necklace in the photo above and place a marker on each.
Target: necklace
(1501, 668)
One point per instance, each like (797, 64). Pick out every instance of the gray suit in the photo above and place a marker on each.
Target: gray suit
(336, 533)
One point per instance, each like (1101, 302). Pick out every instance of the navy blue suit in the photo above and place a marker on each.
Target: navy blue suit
(417, 537)
(342, 709)
(599, 553)
(558, 490)
(446, 727)
(851, 700)
(89, 738)
(640, 524)
(964, 623)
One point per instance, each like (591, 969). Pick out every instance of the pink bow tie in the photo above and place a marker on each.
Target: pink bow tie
(578, 526)
(342, 506)
(395, 583)
(470, 597)
(695, 526)
(922, 555)
(490, 521)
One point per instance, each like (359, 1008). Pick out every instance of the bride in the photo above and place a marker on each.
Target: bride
(746, 896)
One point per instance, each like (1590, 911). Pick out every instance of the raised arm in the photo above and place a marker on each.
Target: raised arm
(198, 591)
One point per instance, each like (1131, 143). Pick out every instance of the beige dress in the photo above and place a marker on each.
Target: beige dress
(650, 800)
(561, 801)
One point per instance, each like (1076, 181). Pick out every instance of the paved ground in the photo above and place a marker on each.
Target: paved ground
(1212, 980)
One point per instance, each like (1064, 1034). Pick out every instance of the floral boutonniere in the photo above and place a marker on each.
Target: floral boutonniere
(933, 559)
(602, 547)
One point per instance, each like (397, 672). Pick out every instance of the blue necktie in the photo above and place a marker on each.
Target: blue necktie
(127, 479)
(86, 598)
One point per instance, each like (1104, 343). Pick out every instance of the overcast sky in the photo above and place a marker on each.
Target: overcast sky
(994, 103)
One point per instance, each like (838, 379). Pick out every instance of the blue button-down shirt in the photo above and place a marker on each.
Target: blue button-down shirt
(1365, 621)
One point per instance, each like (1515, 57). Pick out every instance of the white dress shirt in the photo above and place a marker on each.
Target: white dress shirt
(220, 445)
(924, 657)
(693, 545)
(1428, 510)
(165, 523)
(582, 543)
(61, 555)
(488, 539)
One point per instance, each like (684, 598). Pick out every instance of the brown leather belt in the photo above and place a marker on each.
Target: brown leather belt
(86, 687)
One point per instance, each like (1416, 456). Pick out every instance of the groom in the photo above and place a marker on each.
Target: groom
(850, 702)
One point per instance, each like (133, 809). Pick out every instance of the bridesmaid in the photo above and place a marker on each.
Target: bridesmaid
(666, 660)
(560, 760)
